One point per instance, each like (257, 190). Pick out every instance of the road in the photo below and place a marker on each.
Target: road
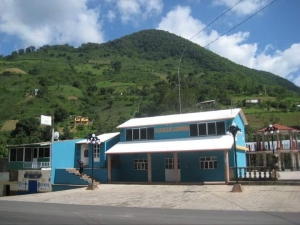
(14, 212)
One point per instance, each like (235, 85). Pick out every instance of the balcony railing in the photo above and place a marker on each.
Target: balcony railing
(269, 145)
(255, 173)
(36, 165)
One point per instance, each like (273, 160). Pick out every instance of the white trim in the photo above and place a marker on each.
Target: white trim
(223, 142)
(185, 118)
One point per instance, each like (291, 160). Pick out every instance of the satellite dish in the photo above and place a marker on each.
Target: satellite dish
(56, 135)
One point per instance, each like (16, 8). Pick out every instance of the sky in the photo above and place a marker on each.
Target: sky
(267, 39)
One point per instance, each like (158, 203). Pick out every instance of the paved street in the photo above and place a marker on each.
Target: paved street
(12, 212)
(200, 197)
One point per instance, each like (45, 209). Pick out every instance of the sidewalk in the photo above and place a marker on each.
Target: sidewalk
(205, 197)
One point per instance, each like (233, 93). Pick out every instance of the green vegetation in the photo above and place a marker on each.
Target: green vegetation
(134, 76)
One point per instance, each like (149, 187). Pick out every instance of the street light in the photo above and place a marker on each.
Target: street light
(93, 139)
(271, 129)
(234, 130)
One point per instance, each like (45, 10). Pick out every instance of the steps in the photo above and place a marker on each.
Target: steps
(84, 176)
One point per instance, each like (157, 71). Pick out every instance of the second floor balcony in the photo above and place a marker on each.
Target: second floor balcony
(276, 145)
(36, 165)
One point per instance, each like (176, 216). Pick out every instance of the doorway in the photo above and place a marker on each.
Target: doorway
(84, 154)
(32, 187)
(169, 169)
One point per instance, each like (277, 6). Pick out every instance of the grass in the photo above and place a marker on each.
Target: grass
(66, 90)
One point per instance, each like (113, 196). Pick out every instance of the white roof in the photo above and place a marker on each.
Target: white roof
(102, 137)
(173, 145)
(185, 118)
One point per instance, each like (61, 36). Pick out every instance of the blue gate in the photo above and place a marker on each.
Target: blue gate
(32, 186)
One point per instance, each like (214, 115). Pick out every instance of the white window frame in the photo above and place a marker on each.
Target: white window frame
(141, 164)
(96, 152)
(208, 163)
(169, 163)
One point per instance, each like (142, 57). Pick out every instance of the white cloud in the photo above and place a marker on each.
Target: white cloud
(133, 10)
(234, 47)
(111, 15)
(245, 7)
(50, 22)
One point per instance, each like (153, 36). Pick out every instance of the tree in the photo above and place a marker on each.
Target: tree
(21, 51)
(3, 149)
(117, 66)
(60, 114)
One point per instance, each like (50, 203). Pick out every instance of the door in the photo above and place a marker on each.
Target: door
(32, 186)
(85, 154)
(169, 169)
(34, 159)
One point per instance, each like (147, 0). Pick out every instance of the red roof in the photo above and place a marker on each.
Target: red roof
(279, 127)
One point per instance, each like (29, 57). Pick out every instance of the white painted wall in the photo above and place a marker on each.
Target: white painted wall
(44, 183)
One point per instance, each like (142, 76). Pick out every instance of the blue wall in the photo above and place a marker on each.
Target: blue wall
(63, 156)
(189, 166)
(64, 177)
(103, 148)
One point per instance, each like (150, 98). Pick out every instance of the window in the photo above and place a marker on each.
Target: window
(41, 152)
(129, 135)
(150, 133)
(28, 154)
(143, 133)
(209, 162)
(20, 154)
(169, 163)
(86, 153)
(220, 128)
(35, 152)
(13, 155)
(140, 164)
(202, 128)
(96, 153)
(136, 134)
(193, 130)
(211, 128)
(46, 152)
(140, 134)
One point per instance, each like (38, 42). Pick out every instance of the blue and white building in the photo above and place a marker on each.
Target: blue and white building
(192, 147)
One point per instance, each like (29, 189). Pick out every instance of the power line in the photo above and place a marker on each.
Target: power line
(241, 23)
(216, 19)
(191, 39)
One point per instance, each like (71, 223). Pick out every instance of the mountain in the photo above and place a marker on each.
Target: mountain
(136, 75)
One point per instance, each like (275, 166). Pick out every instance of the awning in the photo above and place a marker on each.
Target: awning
(223, 142)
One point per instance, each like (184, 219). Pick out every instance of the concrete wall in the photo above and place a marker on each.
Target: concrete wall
(44, 182)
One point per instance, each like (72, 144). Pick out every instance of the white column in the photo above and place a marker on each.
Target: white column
(109, 168)
(226, 166)
(149, 168)
(176, 167)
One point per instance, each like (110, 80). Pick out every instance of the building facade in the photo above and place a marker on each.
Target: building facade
(193, 147)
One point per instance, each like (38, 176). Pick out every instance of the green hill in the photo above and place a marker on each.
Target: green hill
(134, 76)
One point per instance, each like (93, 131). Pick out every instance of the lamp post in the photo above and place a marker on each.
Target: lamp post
(234, 130)
(271, 129)
(92, 139)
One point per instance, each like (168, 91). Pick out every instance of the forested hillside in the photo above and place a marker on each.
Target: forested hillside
(134, 76)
